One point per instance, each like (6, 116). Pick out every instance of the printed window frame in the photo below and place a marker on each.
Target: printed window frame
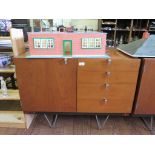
(41, 39)
(86, 43)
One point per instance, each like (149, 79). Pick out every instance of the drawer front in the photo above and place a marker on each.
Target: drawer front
(93, 64)
(98, 106)
(107, 76)
(107, 64)
(111, 91)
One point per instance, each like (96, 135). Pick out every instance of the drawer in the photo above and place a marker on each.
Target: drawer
(107, 76)
(108, 64)
(98, 106)
(15, 119)
(100, 91)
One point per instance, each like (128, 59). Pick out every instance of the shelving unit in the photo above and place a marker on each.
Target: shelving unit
(5, 38)
(125, 30)
(109, 27)
(11, 114)
(13, 117)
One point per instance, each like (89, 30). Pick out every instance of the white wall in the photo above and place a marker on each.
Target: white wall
(78, 23)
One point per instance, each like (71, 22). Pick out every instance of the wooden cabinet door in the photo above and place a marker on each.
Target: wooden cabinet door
(62, 85)
(145, 101)
(47, 85)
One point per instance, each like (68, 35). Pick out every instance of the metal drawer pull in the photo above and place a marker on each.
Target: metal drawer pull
(109, 61)
(108, 73)
(65, 61)
(105, 100)
(107, 85)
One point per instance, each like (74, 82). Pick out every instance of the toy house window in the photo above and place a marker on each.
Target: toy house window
(91, 43)
(43, 43)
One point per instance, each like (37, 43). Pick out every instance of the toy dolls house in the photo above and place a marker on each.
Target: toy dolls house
(67, 44)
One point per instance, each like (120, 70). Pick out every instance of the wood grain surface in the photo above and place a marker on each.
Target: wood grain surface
(47, 84)
(107, 87)
(145, 100)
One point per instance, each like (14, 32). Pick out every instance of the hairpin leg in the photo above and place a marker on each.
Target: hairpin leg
(99, 123)
(149, 125)
(53, 122)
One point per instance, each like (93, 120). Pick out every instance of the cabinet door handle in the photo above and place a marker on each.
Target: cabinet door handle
(107, 85)
(104, 100)
(109, 61)
(108, 73)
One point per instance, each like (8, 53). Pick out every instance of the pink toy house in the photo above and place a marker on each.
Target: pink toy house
(63, 43)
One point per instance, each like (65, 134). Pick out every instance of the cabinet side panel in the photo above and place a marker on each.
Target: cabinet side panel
(146, 94)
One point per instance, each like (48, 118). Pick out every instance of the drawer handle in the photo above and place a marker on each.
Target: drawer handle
(65, 61)
(104, 100)
(108, 73)
(107, 85)
(109, 61)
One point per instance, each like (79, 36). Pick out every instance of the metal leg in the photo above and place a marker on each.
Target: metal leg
(147, 124)
(53, 122)
(99, 123)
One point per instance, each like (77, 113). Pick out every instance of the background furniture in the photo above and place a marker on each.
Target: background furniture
(145, 100)
(119, 30)
(11, 114)
(145, 94)
(125, 30)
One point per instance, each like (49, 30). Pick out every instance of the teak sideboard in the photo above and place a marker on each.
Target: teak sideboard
(89, 85)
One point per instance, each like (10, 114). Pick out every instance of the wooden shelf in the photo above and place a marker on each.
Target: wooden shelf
(15, 119)
(108, 23)
(139, 30)
(122, 29)
(9, 69)
(12, 95)
(108, 30)
(151, 30)
(11, 119)
(5, 38)
(116, 30)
